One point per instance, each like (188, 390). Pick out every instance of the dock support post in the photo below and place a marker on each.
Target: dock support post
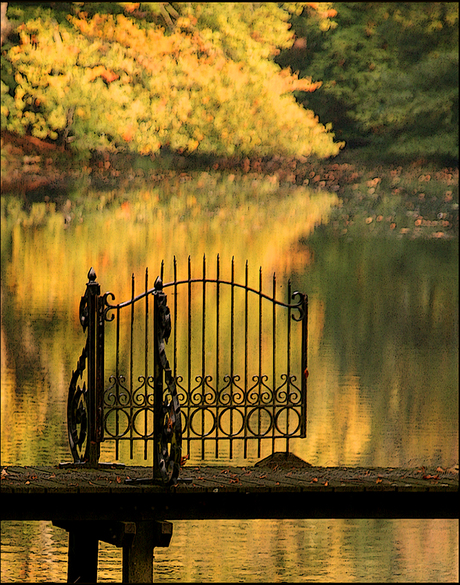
(137, 539)
(82, 555)
(138, 555)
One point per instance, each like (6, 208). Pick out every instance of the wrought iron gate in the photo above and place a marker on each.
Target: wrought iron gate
(238, 376)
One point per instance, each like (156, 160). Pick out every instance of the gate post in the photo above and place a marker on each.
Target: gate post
(94, 321)
(167, 426)
(158, 379)
(304, 359)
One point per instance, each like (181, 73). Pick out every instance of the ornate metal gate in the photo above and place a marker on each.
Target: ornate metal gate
(238, 377)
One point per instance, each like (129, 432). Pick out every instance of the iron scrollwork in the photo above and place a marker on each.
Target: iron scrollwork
(79, 401)
(300, 306)
(77, 412)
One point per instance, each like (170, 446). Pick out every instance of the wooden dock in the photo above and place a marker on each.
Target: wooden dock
(276, 490)
(110, 504)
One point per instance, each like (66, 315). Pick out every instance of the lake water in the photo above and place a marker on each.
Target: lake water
(383, 363)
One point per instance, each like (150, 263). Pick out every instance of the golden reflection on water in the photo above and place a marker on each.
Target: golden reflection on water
(383, 357)
(262, 551)
(382, 351)
(46, 266)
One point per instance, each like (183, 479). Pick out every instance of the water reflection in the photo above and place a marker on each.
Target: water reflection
(45, 268)
(256, 551)
(387, 356)
(383, 362)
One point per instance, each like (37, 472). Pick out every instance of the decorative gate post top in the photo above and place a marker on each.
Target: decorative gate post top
(91, 275)
(158, 284)
(92, 287)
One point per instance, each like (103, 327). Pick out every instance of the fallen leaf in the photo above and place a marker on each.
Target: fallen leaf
(4, 472)
(27, 482)
(118, 479)
(314, 480)
(440, 469)
(263, 476)
(431, 477)
(326, 483)
(378, 480)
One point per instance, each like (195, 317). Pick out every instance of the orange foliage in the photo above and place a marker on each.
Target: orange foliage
(101, 71)
(132, 6)
(128, 133)
(286, 82)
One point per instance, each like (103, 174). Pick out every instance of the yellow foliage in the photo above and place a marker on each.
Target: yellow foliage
(157, 83)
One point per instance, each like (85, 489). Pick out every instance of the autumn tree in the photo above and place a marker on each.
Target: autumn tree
(193, 77)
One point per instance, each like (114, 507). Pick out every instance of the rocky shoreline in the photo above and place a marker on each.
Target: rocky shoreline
(423, 196)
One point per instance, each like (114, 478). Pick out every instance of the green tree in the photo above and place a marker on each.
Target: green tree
(193, 77)
(389, 72)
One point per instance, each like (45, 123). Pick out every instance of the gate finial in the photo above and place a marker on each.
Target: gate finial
(158, 284)
(92, 274)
